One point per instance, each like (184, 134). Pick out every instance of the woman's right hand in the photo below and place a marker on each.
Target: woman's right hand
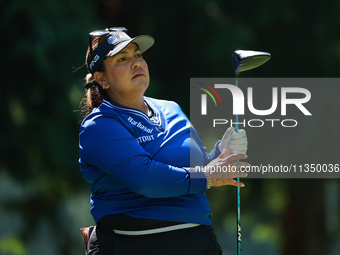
(223, 169)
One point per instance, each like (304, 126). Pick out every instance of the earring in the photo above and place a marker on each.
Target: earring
(105, 86)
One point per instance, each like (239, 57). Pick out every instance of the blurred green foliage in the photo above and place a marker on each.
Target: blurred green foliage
(44, 200)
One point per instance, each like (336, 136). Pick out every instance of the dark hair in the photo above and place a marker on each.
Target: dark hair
(94, 95)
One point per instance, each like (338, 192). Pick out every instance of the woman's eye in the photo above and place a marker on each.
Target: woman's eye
(139, 55)
(121, 59)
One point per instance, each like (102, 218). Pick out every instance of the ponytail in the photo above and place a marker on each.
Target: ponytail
(93, 97)
(94, 93)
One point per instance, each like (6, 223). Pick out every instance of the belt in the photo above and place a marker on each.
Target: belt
(156, 230)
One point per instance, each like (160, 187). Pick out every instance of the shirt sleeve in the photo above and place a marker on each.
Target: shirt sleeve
(215, 152)
(108, 145)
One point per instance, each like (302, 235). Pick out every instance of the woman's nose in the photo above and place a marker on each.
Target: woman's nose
(137, 63)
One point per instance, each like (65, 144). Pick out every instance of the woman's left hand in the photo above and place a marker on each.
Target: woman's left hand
(234, 143)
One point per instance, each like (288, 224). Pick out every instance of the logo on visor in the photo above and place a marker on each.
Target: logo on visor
(93, 62)
(112, 39)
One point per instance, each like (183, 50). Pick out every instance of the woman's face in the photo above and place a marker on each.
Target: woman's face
(127, 74)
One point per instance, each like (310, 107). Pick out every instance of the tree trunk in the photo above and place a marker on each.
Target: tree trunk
(304, 223)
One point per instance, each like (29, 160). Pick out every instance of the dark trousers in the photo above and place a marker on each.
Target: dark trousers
(199, 240)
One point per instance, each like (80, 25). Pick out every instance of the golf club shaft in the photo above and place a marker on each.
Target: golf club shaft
(238, 196)
(244, 60)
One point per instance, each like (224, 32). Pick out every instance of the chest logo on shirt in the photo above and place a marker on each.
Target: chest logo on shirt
(145, 138)
(140, 125)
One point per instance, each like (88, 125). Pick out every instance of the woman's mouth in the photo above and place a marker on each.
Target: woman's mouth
(138, 75)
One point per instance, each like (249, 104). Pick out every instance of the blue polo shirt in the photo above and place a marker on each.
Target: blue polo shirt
(141, 166)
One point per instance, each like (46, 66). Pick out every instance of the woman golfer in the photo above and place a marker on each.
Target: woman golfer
(135, 152)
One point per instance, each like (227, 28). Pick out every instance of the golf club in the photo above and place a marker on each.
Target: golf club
(244, 60)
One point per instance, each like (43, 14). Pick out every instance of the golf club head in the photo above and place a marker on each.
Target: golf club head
(244, 60)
